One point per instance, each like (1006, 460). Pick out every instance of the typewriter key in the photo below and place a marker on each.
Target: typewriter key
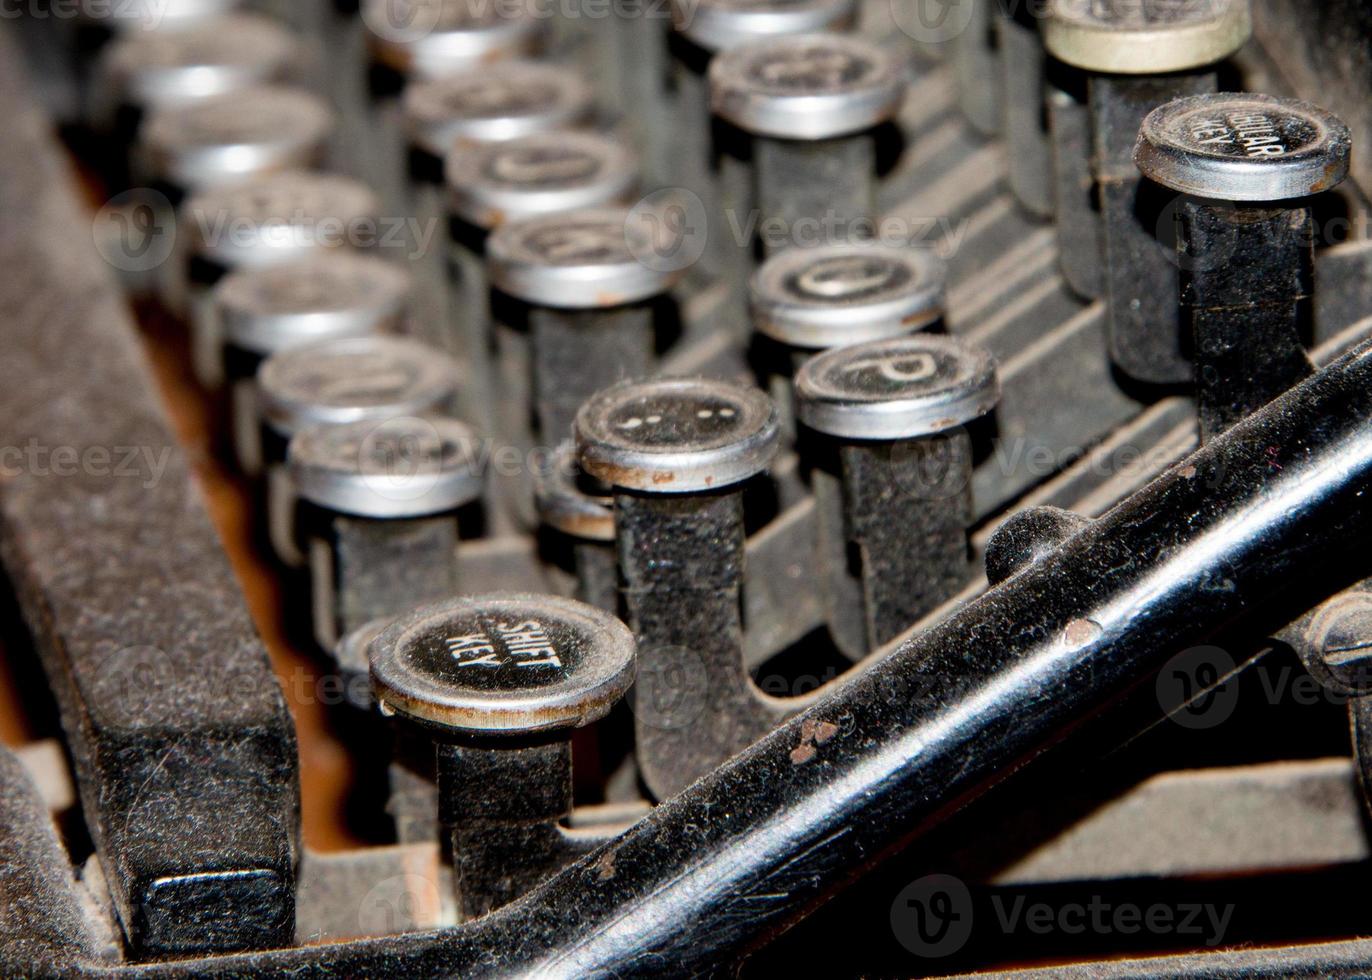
(897, 410)
(677, 452)
(272, 220)
(589, 297)
(810, 103)
(1248, 166)
(499, 682)
(380, 502)
(232, 137)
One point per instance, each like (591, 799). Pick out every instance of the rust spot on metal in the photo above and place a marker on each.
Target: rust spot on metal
(605, 867)
(1187, 472)
(664, 477)
(812, 734)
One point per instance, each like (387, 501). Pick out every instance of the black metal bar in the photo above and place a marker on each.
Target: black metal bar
(184, 750)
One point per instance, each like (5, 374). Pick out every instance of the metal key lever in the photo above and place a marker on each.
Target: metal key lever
(810, 102)
(381, 520)
(1022, 69)
(498, 683)
(588, 283)
(677, 452)
(1249, 166)
(1138, 55)
(896, 410)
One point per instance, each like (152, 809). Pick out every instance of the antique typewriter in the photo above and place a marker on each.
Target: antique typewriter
(606, 488)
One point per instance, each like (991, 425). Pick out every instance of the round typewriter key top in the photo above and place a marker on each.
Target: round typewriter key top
(232, 137)
(396, 468)
(499, 682)
(359, 379)
(589, 298)
(494, 103)
(896, 410)
(1137, 55)
(838, 295)
(279, 217)
(677, 435)
(379, 510)
(1146, 37)
(896, 389)
(810, 104)
(719, 25)
(503, 664)
(151, 70)
(268, 309)
(270, 220)
(337, 382)
(576, 260)
(1249, 166)
(539, 174)
(1243, 147)
(431, 38)
(812, 87)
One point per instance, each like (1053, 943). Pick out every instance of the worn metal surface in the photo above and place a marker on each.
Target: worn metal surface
(184, 751)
